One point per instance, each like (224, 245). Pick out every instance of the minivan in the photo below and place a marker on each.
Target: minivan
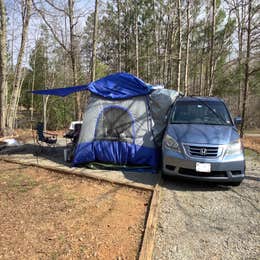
(201, 142)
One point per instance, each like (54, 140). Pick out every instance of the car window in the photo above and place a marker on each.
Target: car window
(198, 112)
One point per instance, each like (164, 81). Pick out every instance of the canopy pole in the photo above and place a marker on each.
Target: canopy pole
(64, 119)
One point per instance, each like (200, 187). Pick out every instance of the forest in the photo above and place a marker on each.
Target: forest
(208, 48)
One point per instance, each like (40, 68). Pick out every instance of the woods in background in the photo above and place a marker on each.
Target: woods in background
(196, 47)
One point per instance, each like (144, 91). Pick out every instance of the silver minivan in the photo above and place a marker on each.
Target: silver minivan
(202, 142)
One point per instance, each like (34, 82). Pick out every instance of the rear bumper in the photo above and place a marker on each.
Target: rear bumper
(229, 170)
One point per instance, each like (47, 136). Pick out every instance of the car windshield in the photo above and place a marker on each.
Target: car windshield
(200, 112)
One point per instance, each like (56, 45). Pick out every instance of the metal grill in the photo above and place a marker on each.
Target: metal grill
(203, 151)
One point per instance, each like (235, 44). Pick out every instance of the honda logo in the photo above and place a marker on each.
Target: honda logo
(203, 151)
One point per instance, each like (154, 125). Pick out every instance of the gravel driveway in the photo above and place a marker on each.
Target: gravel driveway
(202, 221)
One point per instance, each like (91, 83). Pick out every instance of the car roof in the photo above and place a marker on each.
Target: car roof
(196, 98)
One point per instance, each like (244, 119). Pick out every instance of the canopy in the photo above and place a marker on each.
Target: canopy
(115, 86)
(62, 92)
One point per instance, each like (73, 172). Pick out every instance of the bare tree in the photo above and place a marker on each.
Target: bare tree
(3, 68)
(238, 6)
(212, 46)
(71, 50)
(17, 83)
(240, 16)
(166, 47)
(119, 35)
(136, 40)
(246, 82)
(94, 47)
(186, 89)
(73, 55)
(33, 85)
(179, 46)
(156, 73)
(49, 81)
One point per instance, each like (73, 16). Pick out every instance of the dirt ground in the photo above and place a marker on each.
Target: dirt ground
(49, 215)
(252, 142)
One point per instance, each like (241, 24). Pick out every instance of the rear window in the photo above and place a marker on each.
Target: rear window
(200, 112)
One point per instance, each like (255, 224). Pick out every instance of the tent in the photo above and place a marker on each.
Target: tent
(123, 121)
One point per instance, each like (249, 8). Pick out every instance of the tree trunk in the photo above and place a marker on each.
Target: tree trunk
(33, 85)
(3, 69)
(45, 103)
(246, 83)
(119, 66)
(169, 52)
(26, 14)
(148, 64)
(73, 57)
(195, 74)
(186, 84)
(94, 51)
(179, 47)
(156, 73)
(241, 24)
(240, 51)
(166, 58)
(160, 61)
(212, 46)
(201, 78)
(136, 42)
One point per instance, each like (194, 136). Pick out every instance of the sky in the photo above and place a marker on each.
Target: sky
(14, 25)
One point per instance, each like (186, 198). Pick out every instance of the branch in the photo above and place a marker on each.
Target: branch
(41, 13)
(254, 71)
(55, 7)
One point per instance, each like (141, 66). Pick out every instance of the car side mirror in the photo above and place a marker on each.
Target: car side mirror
(238, 120)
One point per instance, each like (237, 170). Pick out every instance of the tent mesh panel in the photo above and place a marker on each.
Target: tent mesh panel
(115, 124)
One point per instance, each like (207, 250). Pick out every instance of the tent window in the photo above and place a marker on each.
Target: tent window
(115, 124)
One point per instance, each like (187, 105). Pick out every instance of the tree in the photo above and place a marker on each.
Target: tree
(136, 40)
(186, 90)
(238, 8)
(212, 48)
(179, 46)
(17, 83)
(174, 43)
(248, 49)
(94, 47)
(3, 68)
(73, 55)
(72, 49)
(119, 34)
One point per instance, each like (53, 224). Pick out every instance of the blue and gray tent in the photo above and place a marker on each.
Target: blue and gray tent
(123, 121)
